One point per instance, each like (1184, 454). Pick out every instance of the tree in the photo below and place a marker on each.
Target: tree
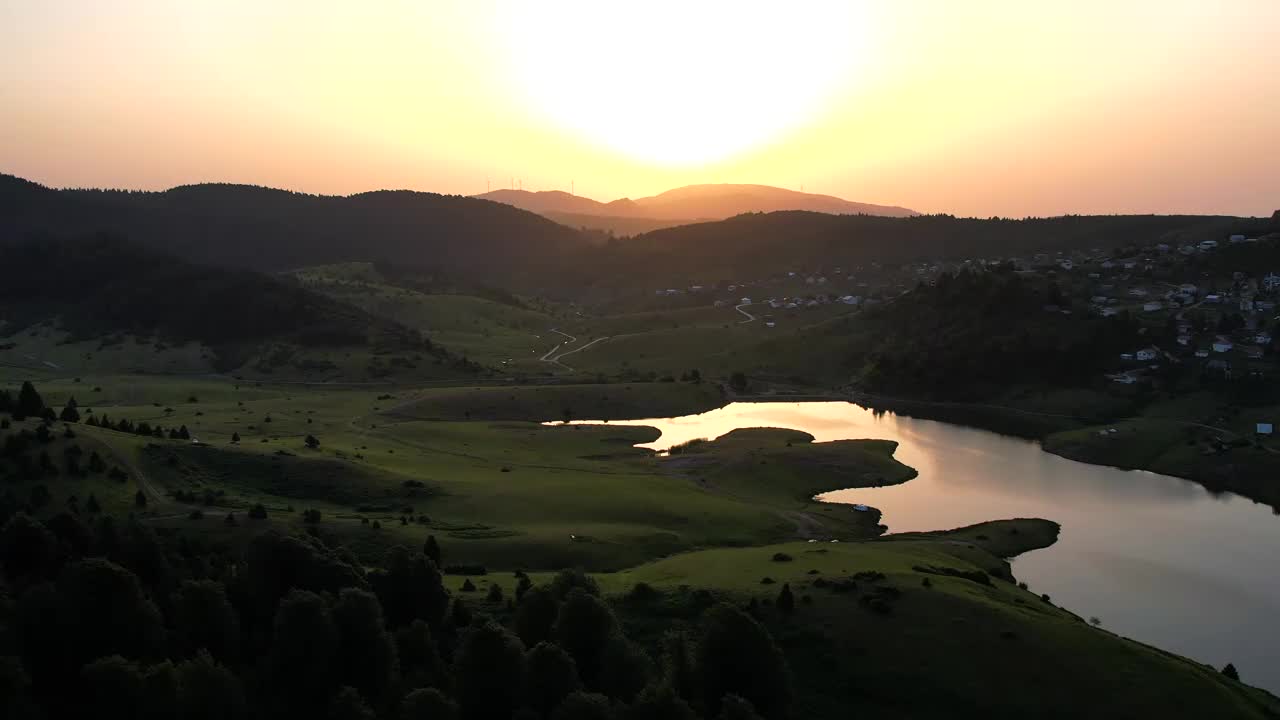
(209, 691)
(660, 702)
(584, 627)
(303, 650)
(495, 593)
(410, 587)
(738, 382)
(460, 616)
(235, 437)
(420, 663)
(624, 669)
(550, 675)
(536, 615)
(258, 512)
(312, 442)
(107, 613)
(431, 549)
(677, 666)
(733, 707)
(428, 704)
(29, 403)
(584, 706)
(183, 433)
(567, 580)
(203, 619)
(348, 705)
(737, 656)
(113, 687)
(28, 551)
(69, 412)
(140, 500)
(786, 600)
(1230, 671)
(489, 673)
(366, 654)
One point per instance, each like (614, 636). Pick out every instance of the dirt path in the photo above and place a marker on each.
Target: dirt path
(749, 316)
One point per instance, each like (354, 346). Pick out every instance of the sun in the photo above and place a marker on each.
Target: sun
(681, 82)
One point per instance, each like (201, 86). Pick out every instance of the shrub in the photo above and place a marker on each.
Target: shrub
(782, 557)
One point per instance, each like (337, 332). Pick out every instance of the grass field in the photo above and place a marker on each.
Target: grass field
(869, 637)
(505, 490)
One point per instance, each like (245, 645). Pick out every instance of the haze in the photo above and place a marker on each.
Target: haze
(991, 107)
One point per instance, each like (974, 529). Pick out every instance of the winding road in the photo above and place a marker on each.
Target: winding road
(552, 357)
(749, 316)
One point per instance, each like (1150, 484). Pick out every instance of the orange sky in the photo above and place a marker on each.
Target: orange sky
(982, 107)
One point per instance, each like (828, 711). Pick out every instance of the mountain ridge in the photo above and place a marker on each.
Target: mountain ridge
(684, 205)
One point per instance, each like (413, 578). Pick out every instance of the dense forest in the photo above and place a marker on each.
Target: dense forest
(970, 334)
(103, 285)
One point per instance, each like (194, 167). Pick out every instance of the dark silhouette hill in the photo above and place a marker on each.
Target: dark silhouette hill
(267, 229)
(102, 285)
(758, 245)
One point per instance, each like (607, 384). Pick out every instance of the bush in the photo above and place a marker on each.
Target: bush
(782, 557)
(495, 593)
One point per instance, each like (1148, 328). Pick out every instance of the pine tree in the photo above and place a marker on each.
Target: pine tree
(432, 550)
(29, 403)
(70, 413)
(140, 500)
(786, 600)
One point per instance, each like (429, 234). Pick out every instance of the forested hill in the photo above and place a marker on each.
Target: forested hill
(964, 338)
(265, 229)
(755, 245)
(100, 285)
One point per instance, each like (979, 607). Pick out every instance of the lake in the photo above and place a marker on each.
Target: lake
(1157, 558)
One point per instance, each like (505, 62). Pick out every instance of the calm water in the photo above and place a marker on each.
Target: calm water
(1156, 558)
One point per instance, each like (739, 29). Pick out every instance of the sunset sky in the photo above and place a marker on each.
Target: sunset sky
(982, 107)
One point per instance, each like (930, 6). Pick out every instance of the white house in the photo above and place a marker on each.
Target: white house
(1202, 353)
(1262, 338)
(744, 301)
(1271, 282)
(1265, 428)
(1213, 298)
(1184, 340)
(1207, 245)
(1233, 238)
(1146, 354)
(1188, 288)
(1222, 345)
(1152, 306)
(1138, 292)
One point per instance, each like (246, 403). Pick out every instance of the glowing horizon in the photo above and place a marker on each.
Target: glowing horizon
(995, 107)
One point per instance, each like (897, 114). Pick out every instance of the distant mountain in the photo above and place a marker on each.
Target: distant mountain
(723, 201)
(267, 229)
(681, 206)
